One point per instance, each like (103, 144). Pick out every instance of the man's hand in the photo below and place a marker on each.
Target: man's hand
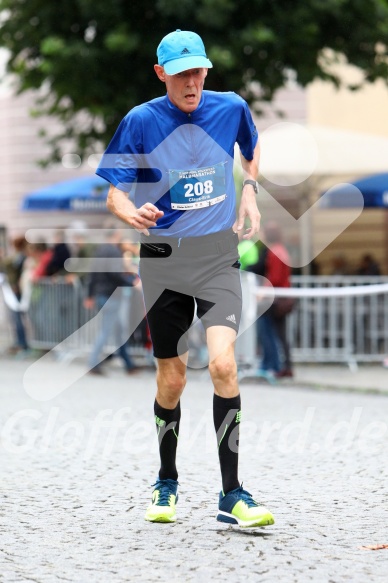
(140, 219)
(145, 217)
(248, 209)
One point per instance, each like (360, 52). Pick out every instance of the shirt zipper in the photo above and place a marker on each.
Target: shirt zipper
(194, 153)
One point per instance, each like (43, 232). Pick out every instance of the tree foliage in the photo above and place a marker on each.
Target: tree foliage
(92, 59)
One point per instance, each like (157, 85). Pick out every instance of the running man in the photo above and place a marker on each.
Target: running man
(170, 165)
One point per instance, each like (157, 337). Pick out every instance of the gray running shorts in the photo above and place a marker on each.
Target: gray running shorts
(181, 276)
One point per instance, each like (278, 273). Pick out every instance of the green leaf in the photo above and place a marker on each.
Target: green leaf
(52, 46)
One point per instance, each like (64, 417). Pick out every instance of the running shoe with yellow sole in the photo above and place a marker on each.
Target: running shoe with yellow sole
(164, 498)
(238, 507)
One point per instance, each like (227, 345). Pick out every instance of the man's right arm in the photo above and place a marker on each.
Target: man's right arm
(140, 219)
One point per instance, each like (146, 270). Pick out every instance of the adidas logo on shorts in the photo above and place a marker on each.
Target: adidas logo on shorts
(231, 318)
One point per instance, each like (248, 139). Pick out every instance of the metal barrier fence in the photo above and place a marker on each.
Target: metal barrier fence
(320, 329)
(339, 329)
(59, 320)
(54, 312)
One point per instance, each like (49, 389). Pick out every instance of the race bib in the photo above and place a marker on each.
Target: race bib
(197, 188)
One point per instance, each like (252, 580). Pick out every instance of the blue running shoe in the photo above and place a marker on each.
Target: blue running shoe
(238, 507)
(164, 498)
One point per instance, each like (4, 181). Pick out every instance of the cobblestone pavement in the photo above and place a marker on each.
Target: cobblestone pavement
(77, 473)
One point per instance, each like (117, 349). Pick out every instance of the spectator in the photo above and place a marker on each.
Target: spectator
(35, 268)
(340, 265)
(82, 250)
(368, 266)
(140, 336)
(60, 252)
(13, 268)
(249, 253)
(39, 258)
(273, 264)
(105, 280)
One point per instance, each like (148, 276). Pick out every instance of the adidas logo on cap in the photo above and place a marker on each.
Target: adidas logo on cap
(185, 52)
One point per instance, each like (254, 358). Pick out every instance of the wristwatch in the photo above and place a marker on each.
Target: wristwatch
(253, 183)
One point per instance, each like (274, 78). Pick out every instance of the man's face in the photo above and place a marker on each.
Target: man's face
(184, 89)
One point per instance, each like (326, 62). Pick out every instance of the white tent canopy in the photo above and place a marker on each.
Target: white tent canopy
(295, 152)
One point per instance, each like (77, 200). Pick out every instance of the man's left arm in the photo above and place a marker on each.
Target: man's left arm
(248, 206)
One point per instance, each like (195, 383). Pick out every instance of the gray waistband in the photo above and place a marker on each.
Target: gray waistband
(215, 243)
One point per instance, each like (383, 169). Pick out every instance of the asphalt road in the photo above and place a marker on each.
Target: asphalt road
(77, 470)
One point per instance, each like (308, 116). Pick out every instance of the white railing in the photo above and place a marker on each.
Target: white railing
(321, 328)
(339, 329)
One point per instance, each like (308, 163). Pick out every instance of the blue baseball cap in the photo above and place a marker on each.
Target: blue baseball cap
(182, 50)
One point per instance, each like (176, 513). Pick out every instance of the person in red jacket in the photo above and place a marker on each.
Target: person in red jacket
(273, 264)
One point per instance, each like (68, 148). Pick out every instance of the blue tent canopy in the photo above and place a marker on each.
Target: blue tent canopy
(85, 194)
(373, 188)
